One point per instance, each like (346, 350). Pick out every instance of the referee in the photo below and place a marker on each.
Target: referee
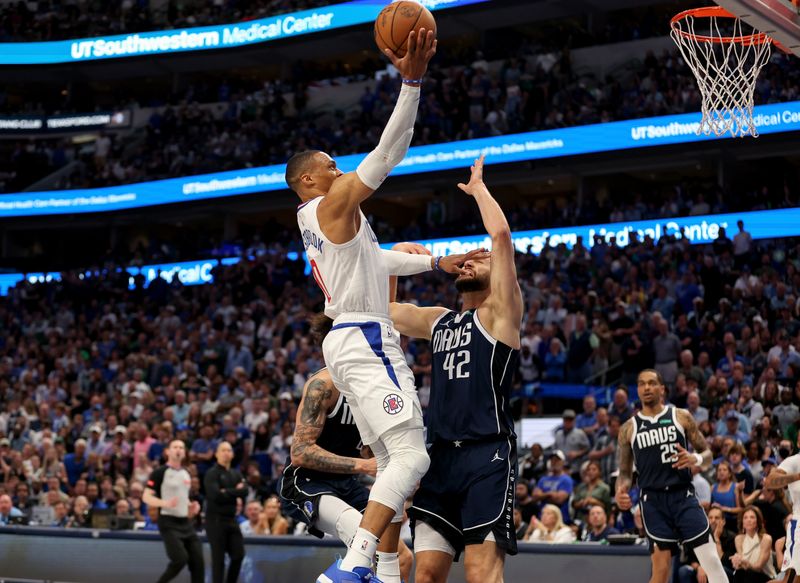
(223, 486)
(168, 489)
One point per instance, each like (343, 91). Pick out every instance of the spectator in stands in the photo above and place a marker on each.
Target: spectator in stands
(270, 520)
(787, 412)
(699, 413)
(533, 464)
(556, 487)
(620, 408)
(550, 529)
(592, 491)
(587, 420)
(598, 529)
(7, 510)
(724, 494)
(774, 508)
(740, 471)
(554, 362)
(252, 511)
(666, 349)
(572, 441)
(753, 558)
(742, 243)
(732, 427)
(81, 513)
(580, 352)
(605, 450)
(524, 502)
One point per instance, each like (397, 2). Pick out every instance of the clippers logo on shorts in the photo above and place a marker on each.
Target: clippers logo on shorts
(393, 404)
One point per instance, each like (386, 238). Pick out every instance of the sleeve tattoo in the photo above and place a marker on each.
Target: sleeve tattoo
(625, 478)
(779, 479)
(310, 423)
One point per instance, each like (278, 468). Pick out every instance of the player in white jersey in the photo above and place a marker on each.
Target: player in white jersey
(362, 350)
(788, 474)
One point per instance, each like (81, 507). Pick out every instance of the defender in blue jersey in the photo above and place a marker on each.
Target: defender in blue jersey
(655, 441)
(466, 499)
(320, 484)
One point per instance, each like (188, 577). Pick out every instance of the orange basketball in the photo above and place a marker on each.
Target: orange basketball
(397, 20)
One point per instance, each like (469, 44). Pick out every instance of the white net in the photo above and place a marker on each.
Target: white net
(726, 56)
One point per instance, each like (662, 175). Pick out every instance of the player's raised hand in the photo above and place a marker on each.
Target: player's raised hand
(475, 183)
(411, 248)
(421, 48)
(454, 264)
(623, 500)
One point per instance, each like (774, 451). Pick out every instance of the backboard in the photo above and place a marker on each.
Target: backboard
(779, 19)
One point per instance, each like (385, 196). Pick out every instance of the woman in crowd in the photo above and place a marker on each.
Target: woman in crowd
(753, 558)
(80, 516)
(271, 521)
(591, 492)
(723, 494)
(550, 529)
(554, 361)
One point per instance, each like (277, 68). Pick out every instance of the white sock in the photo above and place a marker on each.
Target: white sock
(388, 567)
(361, 550)
(707, 557)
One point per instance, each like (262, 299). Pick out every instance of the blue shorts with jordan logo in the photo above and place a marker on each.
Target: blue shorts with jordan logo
(468, 493)
(673, 517)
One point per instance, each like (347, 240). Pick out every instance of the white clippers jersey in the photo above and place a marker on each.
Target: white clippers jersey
(353, 275)
(791, 465)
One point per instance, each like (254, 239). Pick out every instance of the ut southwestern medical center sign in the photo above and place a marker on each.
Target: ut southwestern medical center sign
(698, 230)
(621, 135)
(204, 38)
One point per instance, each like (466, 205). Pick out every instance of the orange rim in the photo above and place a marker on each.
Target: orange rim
(716, 12)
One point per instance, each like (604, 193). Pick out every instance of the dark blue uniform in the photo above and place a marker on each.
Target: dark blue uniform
(670, 512)
(302, 488)
(468, 491)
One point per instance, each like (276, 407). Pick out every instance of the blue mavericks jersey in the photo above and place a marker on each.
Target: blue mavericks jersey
(470, 381)
(654, 442)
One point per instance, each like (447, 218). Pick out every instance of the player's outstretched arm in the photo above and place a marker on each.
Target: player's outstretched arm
(702, 456)
(411, 320)
(352, 189)
(779, 479)
(505, 299)
(319, 397)
(625, 478)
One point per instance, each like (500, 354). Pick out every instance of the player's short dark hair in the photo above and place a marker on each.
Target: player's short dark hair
(298, 165)
(659, 378)
(320, 326)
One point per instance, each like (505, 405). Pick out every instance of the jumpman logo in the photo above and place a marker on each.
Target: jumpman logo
(496, 456)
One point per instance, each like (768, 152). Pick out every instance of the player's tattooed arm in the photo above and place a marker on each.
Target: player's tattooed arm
(319, 396)
(625, 478)
(779, 479)
(698, 442)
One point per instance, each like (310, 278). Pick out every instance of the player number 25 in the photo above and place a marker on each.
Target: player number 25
(456, 369)
(668, 453)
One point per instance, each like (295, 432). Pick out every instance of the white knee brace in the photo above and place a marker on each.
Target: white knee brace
(408, 462)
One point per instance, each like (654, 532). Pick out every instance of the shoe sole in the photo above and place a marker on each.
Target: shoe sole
(324, 579)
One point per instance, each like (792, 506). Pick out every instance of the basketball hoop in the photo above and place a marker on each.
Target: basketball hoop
(726, 56)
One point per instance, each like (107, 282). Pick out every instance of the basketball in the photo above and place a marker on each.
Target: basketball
(396, 21)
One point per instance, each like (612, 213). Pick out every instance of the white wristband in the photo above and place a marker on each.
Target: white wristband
(699, 459)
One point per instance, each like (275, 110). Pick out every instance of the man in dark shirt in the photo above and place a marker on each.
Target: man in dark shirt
(598, 529)
(224, 486)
